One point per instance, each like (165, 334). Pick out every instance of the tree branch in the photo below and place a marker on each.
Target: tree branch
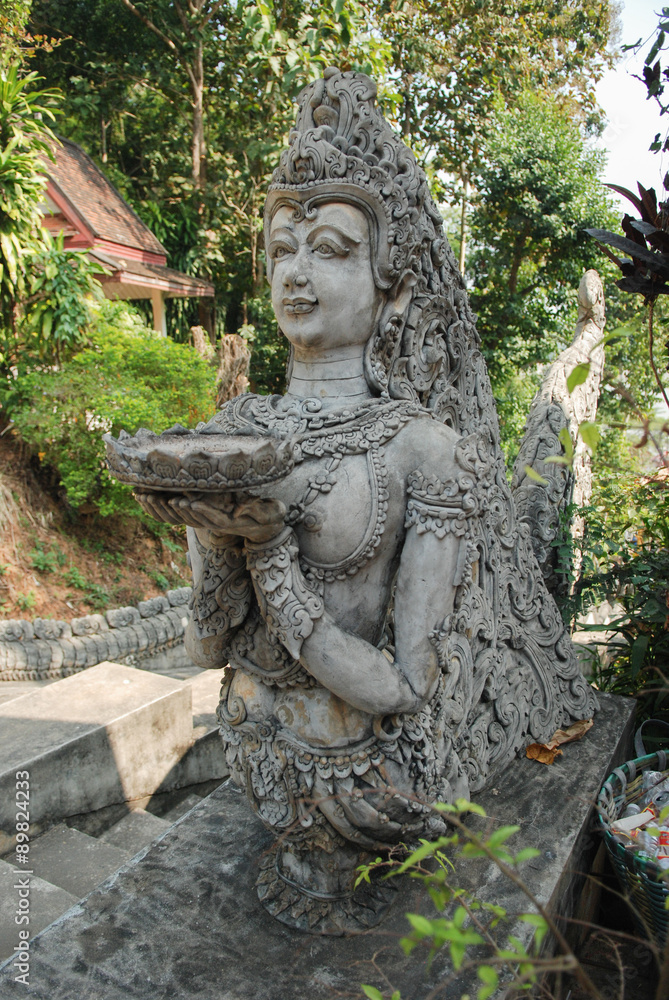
(162, 36)
(651, 309)
(212, 13)
(182, 17)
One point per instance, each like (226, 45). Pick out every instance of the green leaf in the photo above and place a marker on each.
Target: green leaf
(464, 805)
(526, 854)
(578, 375)
(638, 653)
(499, 837)
(426, 850)
(489, 978)
(589, 434)
(371, 992)
(534, 475)
(567, 443)
(420, 924)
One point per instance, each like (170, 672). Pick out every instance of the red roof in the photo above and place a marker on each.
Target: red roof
(105, 213)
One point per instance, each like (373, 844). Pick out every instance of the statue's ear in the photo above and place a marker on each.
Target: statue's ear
(399, 298)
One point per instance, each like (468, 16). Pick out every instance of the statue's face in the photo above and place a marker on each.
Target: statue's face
(323, 289)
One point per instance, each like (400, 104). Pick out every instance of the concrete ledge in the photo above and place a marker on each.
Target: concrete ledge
(184, 921)
(109, 734)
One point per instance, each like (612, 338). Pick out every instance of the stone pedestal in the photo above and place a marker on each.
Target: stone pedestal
(183, 921)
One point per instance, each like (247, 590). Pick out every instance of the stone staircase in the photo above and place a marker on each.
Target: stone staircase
(115, 755)
(68, 864)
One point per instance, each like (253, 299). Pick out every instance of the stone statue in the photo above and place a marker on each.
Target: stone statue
(539, 505)
(389, 636)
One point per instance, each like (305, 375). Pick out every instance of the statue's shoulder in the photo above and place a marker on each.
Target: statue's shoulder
(426, 445)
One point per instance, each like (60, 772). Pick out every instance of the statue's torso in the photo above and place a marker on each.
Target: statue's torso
(348, 512)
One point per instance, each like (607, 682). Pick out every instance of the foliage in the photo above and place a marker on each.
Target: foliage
(454, 61)
(58, 311)
(13, 17)
(653, 73)
(131, 377)
(131, 103)
(24, 140)
(538, 188)
(269, 350)
(477, 934)
(626, 562)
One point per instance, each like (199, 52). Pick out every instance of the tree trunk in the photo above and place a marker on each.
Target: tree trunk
(463, 220)
(199, 149)
(518, 249)
(206, 316)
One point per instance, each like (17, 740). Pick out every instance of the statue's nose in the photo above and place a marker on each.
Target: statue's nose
(295, 276)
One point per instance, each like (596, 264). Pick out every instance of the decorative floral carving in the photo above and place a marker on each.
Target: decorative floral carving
(179, 460)
(288, 606)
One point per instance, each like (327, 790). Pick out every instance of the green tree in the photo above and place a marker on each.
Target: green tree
(129, 377)
(455, 61)
(196, 175)
(25, 113)
(538, 188)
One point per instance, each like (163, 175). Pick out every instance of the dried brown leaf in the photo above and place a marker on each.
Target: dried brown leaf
(571, 733)
(542, 753)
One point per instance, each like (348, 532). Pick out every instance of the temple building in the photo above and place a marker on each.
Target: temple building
(85, 206)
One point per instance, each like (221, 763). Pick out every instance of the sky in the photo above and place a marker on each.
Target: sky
(633, 121)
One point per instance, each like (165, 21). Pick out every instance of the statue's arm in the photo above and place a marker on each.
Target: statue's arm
(363, 675)
(346, 664)
(221, 595)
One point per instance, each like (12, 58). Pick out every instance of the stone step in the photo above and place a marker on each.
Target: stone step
(185, 920)
(46, 903)
(11, 690)
(73, 860)
(135, 831)
(107, 735)
(182, 807)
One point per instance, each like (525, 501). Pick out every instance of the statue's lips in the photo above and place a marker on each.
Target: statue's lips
(298, 306)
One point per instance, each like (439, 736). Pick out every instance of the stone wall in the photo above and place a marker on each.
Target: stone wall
(44, 648)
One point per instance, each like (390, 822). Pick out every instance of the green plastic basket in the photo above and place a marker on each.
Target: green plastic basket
(643, 881)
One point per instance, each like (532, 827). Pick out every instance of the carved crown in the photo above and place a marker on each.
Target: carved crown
(343, 147)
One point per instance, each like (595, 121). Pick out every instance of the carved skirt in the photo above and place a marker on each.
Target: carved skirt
(374, 792)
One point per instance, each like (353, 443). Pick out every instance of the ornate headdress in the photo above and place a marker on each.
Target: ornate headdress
(343, 148)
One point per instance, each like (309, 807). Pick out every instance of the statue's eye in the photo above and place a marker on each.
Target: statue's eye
(279, 251)
(327, 249)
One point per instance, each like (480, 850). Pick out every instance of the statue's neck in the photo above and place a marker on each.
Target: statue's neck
(333, 377)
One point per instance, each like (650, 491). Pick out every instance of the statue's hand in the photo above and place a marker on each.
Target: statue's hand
(255, 519)
(158, 506)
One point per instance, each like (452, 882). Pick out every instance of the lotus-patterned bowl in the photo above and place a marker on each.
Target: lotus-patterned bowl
(180, 460)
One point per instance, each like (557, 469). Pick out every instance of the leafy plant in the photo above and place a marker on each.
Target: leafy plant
(58, 310)
(75, 578)
(26, 601)
(25, 114)
(97, 596)
(464, 922)
(159, 579)
(46, 562)
(131, 377)
(630, 570)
